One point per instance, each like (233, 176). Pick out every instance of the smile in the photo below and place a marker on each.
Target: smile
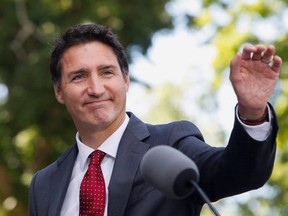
(97, 103)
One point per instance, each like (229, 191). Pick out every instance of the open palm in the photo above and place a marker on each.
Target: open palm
(254, 74)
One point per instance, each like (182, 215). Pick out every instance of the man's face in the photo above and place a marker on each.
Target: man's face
(92, 87)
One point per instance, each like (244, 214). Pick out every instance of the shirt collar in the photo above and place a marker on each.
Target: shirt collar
(109, 146)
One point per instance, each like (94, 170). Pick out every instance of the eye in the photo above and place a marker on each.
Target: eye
(78, 77)
(107, 73)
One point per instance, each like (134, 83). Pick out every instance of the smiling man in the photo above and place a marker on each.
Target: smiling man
(94, 90)
(99, 174)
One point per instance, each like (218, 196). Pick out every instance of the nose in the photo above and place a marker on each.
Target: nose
(95, 87)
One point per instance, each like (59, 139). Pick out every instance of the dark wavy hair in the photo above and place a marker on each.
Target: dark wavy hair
(83, 34)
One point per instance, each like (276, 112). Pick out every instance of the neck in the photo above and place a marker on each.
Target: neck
(95, 136)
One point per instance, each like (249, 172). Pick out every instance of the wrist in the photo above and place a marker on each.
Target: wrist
(258, 121)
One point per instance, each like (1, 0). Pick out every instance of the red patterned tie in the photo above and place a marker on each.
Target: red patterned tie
(92, 190)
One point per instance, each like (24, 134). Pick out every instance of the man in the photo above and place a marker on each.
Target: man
(90, 73)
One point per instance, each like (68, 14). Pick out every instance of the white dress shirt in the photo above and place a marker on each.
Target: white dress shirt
(258, 132)
(110, 146)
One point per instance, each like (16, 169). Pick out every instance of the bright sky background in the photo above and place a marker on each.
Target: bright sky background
(178, 58)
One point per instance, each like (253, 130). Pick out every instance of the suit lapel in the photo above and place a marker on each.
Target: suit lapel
(60, 180)
(129, 155)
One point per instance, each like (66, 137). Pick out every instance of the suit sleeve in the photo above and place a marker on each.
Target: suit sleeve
(244, 164)
(32, 204)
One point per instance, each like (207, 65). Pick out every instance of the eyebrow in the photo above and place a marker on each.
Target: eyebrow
(77, 71)
(103, 67)
(83, 69)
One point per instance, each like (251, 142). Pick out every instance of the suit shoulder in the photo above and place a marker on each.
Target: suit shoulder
(175, 125)
(48, 170)
(162, 133)
(181, 128)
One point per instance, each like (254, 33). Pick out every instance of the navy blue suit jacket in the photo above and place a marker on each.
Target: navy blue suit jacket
(245, 164)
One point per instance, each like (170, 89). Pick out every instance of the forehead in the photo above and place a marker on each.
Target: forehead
(86, 53)
(96, 48)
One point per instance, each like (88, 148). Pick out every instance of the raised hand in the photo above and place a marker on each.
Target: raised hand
(254, 74)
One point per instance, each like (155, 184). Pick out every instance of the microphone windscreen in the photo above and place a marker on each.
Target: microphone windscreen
(170, 171)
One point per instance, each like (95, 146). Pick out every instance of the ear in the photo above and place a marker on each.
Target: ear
(127, 82)
(58, 93)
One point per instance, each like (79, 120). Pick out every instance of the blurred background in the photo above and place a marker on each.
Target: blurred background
(179, 52)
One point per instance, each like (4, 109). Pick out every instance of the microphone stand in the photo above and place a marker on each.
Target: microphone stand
(206, 199)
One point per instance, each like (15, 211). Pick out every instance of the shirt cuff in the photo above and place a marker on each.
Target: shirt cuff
(258, 132)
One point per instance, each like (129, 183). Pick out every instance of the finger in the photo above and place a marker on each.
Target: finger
(277, 62)
(268, 54)
(247, 52)
(257, 55)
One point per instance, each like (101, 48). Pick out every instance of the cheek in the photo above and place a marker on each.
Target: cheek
(73, 97)
(123, 97)
(122, 91)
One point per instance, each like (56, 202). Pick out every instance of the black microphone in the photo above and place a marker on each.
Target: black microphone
(173, 173)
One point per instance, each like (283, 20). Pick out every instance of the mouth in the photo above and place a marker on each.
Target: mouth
(96, 103)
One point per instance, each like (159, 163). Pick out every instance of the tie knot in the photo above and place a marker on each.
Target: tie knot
(96, 157)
